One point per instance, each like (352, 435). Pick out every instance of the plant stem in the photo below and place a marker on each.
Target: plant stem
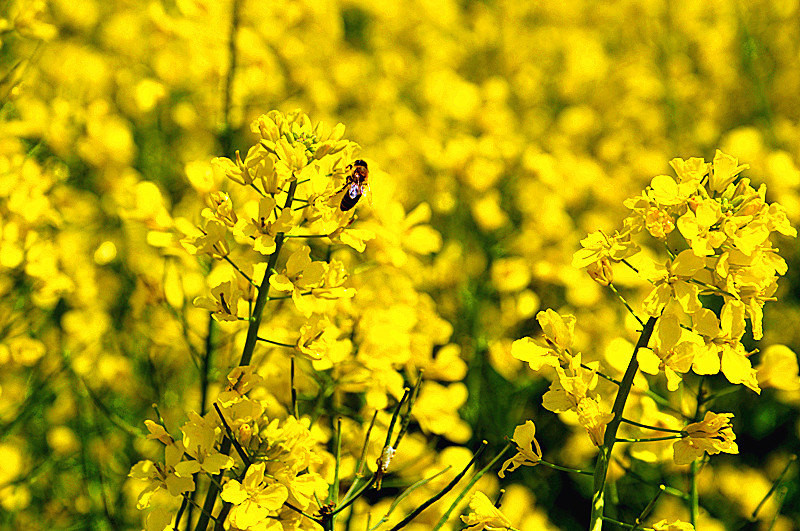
(694, 497)
(775, 484)
(604, 457)
(625, 303)
(247, 355)
(261, 299)
(469, 485)
(413, 514)
(564, 468)
(654, 428)
(277, 343)
(651, 439)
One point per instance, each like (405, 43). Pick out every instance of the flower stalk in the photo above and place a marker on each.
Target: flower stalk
(604, 457)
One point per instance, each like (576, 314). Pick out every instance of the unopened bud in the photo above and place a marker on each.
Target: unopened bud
(601, 271)
(245, 433)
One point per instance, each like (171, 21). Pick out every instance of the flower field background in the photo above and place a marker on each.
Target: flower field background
(159, 190)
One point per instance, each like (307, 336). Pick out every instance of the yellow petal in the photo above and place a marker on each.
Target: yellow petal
(281, 283)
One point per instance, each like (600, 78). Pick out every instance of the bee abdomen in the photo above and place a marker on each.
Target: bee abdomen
(351, 197)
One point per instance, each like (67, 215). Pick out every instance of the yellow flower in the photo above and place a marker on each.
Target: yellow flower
(597, 246)
(333, 285)
(199, 438)
(693, 169)
(317, 337)
(300, 276)
(724, 172)
(211, 241)
(223, 302)
(666, 192)
(778, 369)
(696, 226)
(529, 453)
(174, 475)
(673, 351)
(254, 499)
(558, 332)
(677, 525)
(723, 349)
(220, 208)
(601, 271)
(712, 435)
(672, 282)
(260, 230)
(484, 515)
(592, 417)
(573, 385)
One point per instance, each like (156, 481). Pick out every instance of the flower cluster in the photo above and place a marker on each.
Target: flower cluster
(716, 230)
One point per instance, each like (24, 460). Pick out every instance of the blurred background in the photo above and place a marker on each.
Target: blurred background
(498, 133)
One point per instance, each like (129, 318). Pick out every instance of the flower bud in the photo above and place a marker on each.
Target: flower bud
(601, 271)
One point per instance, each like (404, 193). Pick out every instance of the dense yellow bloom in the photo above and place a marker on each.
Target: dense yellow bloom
(254, 500)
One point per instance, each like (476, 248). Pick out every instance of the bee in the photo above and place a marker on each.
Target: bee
(356, 184)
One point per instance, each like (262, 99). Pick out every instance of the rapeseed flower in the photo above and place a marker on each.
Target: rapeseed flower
(484, 515)
(712, 435)
(529, 453)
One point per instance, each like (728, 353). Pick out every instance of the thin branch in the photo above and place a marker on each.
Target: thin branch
(405, 521)
(645, 426)
(277, 343)
(245, 275)
(242, 453)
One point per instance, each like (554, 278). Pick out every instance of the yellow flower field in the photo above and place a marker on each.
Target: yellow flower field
(351, 265)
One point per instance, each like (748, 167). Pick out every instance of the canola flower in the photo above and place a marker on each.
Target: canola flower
(272, 473)
(724, 252)
(511, 142)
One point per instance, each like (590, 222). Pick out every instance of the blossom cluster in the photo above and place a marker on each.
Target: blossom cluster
(497, 136)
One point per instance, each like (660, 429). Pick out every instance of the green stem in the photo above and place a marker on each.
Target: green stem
(413, 514)
(565, 469)
(777, 482)
(261, 300)
(247, 355)
(645, 426)
(713, 396)
(625, 303)
(651, 439)
(469, 485)
(604, 457)
(694, 497)
(245, 275)
(277, 343)
(655, 396)
(617, 522)
(649, 507)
